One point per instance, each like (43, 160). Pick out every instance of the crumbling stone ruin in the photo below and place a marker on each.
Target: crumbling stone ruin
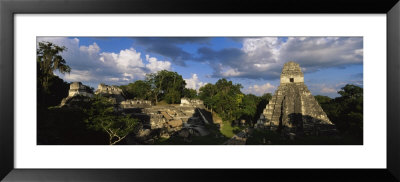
(191, 102)
(111, 92)
(130, 103)
(293, 109)
(77, 89)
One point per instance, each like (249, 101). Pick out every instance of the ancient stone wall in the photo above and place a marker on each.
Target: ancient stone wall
(192, 102)
(135, 103)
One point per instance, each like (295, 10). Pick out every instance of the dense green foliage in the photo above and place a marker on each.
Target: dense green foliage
(166, 85)
(226, 99)
(190, 93)
(346, 111)
(101, 116)
(137, 90)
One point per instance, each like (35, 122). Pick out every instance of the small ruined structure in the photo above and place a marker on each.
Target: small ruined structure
(137, 103)
(191, 102)
(293, 109)
(111, 92)
(77, 92)
(77, 88)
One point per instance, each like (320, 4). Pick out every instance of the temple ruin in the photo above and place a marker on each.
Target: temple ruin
(77, 89)
(293, 109)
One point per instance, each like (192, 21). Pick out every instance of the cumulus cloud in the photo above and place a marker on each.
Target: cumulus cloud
(263, 57)
(89, 64)
(194, 82)
(155, 65)
(260, 89)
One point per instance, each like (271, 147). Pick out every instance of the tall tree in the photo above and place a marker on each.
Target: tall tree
(139, 89)
(189, 93)
(207, 93)
(166, 85)
(224, 98)
(48, 60)
(248, 108)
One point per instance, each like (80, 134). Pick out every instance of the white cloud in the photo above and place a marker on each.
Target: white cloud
(78, 76)
(124, 60)
(260, 89)
(155, 65)
(264, 57)
(194, 82)
(91, 49)
(89, 64)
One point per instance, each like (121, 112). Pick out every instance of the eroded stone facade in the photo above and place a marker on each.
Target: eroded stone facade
(77, 92)
(111, 92)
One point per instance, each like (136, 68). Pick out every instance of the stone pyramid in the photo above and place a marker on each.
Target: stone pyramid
(293, 109)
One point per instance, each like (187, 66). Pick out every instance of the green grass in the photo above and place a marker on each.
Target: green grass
(228, 130)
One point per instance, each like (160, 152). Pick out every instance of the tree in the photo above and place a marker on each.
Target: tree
(322, 99)
(166, 83)
(48, 60)
(103, 117)
(206, 93)
(351, 91)
(228, 98)
(346, 111)
(139, 89)
(189, 93)
(172, 96)
(248, 107)
(224, 98)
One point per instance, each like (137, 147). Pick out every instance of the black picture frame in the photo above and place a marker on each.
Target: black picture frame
(8, 8)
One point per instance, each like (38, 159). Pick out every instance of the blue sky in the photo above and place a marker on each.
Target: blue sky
(255, 62)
